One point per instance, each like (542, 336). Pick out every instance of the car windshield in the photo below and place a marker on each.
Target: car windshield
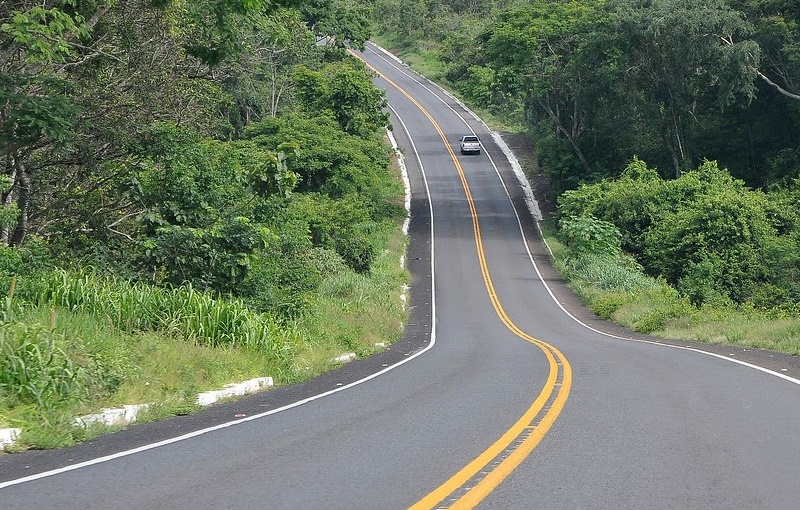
(470, 138)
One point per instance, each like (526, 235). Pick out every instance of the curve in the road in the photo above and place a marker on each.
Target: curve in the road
(704, 350)
(480, 477)
(228, 424)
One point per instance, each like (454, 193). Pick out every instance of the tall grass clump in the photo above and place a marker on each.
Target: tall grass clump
(181, 311)
(41, 384)
(606, 272)
(615, 288)
(35, 370)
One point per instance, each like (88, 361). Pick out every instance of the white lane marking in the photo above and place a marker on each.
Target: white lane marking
(526, 188)
(201, 432)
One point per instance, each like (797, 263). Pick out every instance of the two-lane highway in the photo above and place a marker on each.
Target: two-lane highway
(646, 425)
(497, 397)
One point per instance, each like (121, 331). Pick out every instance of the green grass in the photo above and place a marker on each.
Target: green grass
(738, 328)
(617, 290)
(84, 343)
(354, 312)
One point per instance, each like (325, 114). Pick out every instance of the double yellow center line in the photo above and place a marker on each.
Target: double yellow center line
(469, 486)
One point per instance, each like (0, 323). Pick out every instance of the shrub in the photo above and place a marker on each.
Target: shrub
(706, 233)
(632, 202)
(587, 234)
(712, 244)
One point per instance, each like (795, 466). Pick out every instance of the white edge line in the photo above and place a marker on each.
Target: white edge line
(221, 426)
(536, 213)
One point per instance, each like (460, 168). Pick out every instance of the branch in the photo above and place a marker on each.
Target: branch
(729, 41)
(777, 87)
(111, 225)
(123, 234)
(101, 11)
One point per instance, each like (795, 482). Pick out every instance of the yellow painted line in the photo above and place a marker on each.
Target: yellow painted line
(555, 359)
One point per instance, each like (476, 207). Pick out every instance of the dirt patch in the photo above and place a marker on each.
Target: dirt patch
(521, 146)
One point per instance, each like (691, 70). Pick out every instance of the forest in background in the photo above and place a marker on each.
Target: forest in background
(670, 128)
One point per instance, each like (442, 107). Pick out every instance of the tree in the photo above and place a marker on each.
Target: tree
(675, 64)
(36, 114)
(777, 30)
(344, 90)
(341, 23)
(260, 78)
(198, 199)
(80, 79)
(532, 52)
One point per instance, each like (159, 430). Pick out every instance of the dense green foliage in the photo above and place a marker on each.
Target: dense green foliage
(177, 172)
(705, 232)
(596, 83)
(689, 86)
(183, 143)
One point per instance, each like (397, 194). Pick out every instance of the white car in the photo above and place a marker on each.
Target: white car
(470, 144)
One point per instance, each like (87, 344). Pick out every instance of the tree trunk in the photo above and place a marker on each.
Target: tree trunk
(7, 198)
(23, 192)
(570, 134)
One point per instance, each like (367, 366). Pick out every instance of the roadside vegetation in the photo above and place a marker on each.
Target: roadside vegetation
(196, 193)
(668, 134)
(192, 194)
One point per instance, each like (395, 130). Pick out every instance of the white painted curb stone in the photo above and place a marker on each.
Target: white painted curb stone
(8, 436)
(234, 390)
(128, 413)
(345, 358)
(116, 416)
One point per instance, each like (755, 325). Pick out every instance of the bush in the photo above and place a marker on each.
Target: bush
(587, 234)
(713, 243)
(287, 271)
(706, 233)
(632, 203)
(605, 304)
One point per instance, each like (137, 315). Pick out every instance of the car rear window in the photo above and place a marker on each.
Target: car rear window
(470, 138)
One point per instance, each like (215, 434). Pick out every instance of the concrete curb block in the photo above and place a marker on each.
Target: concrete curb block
(345, 358)
(8, 436)
(116, 416)
(128, 413)
(234, 390)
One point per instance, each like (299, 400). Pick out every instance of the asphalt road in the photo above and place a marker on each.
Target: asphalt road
(504, 392)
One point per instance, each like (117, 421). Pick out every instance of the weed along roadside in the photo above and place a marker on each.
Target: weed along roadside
(125, 415)
(114, 418)
(122, 416)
